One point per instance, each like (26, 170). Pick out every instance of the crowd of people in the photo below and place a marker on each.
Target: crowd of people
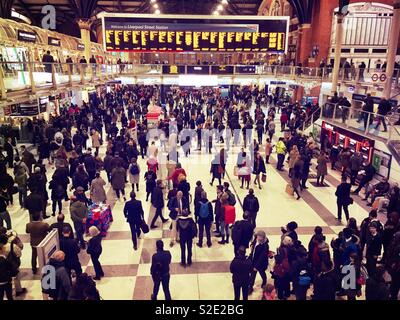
(117, 121)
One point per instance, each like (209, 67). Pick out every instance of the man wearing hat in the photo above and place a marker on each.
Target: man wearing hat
(79, 214)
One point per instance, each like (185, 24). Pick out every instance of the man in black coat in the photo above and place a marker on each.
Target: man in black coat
(90, 164)
(187, 230)
(242, 232)
(157, 200)
(134, 215)
(71, 249)
(160, 270)
(241, 267)
(177, 205)
(62, 174)
(252, 206)
(35, 203)
(325, 283)
(368, 176)
(259, 258)
(343, 198)
(8, 147)
(60, 225)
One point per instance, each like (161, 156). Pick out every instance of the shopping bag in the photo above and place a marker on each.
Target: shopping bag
(289, 190)
(235, 171)
(264, 178)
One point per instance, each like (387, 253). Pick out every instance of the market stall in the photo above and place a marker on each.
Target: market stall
(99, 215)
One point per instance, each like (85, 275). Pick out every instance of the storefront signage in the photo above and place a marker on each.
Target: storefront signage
(54, 42)
(222, 69)
(198, 69)
(25, 109)
(27, 36)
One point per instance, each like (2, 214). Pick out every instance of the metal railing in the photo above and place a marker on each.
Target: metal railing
(367, 123)
(16, 76)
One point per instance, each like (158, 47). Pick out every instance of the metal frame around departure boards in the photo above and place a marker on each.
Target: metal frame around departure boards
(102, 15)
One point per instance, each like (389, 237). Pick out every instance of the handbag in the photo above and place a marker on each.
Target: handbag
(264, 178)
(235, 171)
(144, 227)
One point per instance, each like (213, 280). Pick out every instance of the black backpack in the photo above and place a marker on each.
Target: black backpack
(252, 204)
(231, 198)
(237, 232)
(134, 169)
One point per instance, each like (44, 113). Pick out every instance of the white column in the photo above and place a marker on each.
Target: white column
(338, 50)
(392, 49)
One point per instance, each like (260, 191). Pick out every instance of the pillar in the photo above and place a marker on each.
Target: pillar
(338, 49)
(305, 35)
(392, 49)
(84, 26)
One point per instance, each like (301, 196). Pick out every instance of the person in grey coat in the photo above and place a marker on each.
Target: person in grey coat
(118, 178)
(356, 162)
(322, 168)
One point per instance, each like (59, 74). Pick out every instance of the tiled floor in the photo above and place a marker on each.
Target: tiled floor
(127, 272)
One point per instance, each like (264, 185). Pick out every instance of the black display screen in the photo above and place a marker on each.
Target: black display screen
(222, 69)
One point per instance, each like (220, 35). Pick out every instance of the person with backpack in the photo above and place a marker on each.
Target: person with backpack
(228, 194)
(134, 174)
(159, 270)
(252, 206)
(325, 284)
(280, 274)
(301, 274)
(187, 230)
(241, 267)
(62, 281)
(204, 219)
(259, 258)
(5, 271)
(242, 232)
(13, 251)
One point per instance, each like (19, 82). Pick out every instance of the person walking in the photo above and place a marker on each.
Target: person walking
(368, 175)
(159, 270)
(252, 206)
(134, 173)
(281, 152)
(157, 201)
(204, 219)
(187, 230)
(97, 192)
(343, 198)
(118, 178)
(241, 267)
(151, 183)
(95, 249)
(259, 259)
(38, 231)
(268, 150)
(177, 205)
(258, 169)
(134, 214)
(57, 194)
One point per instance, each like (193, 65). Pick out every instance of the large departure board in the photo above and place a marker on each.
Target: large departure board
(149, 33)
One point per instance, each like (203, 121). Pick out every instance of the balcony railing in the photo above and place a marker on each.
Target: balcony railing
(33, 76)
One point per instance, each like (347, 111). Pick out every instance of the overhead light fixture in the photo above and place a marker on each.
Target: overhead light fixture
(224, 1)
(220, 7)
(152, 1)
(155, 5)
(157, 11)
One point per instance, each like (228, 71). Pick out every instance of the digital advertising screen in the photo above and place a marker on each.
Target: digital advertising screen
(191, 33)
